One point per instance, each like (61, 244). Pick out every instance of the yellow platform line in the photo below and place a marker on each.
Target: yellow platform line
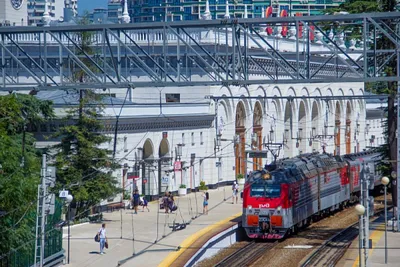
(375, 236)
(169, 260)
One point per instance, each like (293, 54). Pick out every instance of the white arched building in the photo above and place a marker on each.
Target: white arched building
(299, 125)
(173, 136)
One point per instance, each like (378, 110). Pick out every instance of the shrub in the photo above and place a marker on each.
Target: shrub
(182, 186)
(240, 176)
(203, 186)
(127, 195)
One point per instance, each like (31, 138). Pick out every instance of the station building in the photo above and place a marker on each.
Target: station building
(173, 136)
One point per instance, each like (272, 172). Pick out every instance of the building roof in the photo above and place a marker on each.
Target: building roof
(374, 100)
(62, 97)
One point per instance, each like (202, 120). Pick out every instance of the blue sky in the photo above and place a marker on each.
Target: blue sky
(90, 5)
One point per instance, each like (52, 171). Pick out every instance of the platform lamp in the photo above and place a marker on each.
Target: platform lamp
(272, 134)
(394, 176)
(360, 210)
(385, 182)
(179, 156)
(69, 199)
(254, 141)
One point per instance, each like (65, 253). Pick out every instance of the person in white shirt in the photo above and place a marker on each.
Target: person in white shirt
(235, 192)
(103, 237)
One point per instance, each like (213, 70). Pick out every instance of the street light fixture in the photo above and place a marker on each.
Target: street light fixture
(69, 199)
(179, 151)
(385, 182)
(360, 210)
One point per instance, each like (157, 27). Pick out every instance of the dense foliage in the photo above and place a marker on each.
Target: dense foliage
(83, 167)
(19, 178)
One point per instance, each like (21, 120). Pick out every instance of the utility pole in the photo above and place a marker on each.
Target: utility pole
(41, 216)
(45, 205)
(366, 203)
(396, 211)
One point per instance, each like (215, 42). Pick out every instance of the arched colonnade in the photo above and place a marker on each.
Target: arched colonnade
(301, 125)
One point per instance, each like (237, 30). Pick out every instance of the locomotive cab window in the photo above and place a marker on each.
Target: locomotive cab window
(265, 190)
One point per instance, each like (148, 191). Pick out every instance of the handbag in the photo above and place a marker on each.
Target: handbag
(106, 245)
(97, 238)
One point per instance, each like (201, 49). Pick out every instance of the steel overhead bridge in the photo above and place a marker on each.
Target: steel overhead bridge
(232, 52)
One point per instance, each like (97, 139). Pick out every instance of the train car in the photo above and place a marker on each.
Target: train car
(279, 200)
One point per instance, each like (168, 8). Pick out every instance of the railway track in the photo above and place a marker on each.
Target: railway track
(333, 249)
(246, 255)
(330, 253)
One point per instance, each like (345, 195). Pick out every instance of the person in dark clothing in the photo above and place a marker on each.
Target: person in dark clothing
(165, 201)
(135, 200)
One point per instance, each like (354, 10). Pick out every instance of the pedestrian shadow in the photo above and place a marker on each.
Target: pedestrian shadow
(94, 252)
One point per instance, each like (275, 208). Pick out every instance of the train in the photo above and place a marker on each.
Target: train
(286, 196)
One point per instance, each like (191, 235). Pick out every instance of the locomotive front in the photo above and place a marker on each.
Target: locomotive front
(266, 211)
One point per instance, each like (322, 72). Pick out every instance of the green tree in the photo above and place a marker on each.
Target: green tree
(18, 183)
(82, 165)
(390, 88)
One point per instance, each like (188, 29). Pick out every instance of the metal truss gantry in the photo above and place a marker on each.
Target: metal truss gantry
(199, 53)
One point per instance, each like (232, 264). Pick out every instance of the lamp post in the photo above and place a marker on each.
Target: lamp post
(360, 210)
(179, 156)
(394, 176)
(138, 159)
(69, 199)
(385, 182)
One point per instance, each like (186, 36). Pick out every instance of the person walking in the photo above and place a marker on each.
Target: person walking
(205, 202)
(145, 203)
(165, 201)
(136, 198)
(103, 238)
(235, 192)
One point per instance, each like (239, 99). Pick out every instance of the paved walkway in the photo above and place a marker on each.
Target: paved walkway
(152, 234)
(377, 253)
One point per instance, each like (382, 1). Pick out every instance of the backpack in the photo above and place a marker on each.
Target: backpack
(173, 207)
(207, 196)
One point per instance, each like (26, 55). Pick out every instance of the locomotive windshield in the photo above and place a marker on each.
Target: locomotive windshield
(265, 190)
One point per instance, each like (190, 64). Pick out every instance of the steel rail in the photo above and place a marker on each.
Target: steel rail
(320, 253)
(246, 255)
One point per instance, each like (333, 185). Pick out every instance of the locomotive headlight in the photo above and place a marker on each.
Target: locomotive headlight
(249, 207)
(279, 209)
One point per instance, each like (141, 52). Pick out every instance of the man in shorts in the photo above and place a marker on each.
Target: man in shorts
(135, 200)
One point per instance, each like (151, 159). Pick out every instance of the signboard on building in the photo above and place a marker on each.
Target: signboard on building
(177, 165)
(133, 175)
(63, 193)
(257, 154)
(165, 180)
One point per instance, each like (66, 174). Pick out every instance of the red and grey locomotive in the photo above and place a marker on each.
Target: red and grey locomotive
(280, 199)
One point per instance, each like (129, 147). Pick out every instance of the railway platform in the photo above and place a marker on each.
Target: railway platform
(153, 238)
(377, 253)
